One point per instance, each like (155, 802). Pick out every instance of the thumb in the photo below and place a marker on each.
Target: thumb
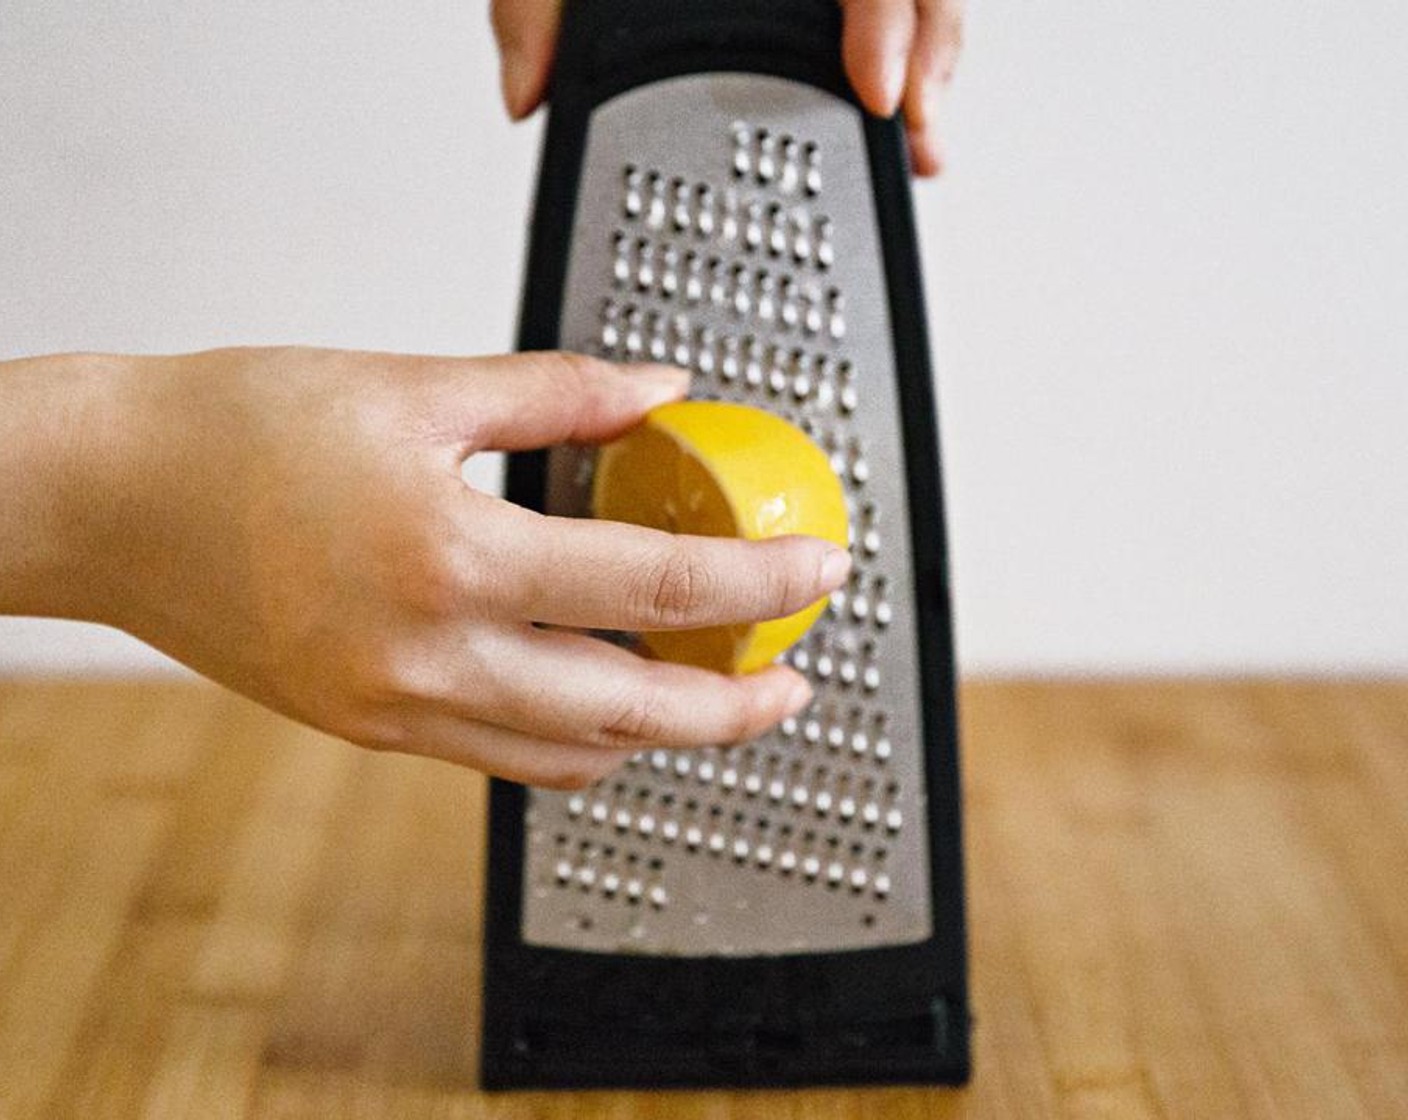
(518, 402)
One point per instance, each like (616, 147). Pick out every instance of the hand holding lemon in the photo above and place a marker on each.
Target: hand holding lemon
(717, 469)
(293, 523)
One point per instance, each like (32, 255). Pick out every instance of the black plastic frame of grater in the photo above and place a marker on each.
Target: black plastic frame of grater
(560, 1018)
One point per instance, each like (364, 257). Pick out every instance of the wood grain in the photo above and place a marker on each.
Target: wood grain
(1188, 899)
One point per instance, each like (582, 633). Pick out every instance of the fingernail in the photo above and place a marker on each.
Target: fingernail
(835, 567)
(661, 383)
(892, 79)
(799, 697)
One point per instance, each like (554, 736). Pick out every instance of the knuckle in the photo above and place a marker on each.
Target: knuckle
(524, 590)
(578, 384)
(574, 375)
(674, 587)
(387, 677)
(431, 591)
(636, 718)
(786, 587)
(429, 576)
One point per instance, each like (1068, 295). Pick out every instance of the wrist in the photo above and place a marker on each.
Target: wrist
(66, 433)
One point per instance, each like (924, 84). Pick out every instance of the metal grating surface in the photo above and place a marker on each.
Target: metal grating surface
(726, 223)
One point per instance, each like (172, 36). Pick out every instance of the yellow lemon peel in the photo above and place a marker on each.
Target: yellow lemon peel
(717, 469)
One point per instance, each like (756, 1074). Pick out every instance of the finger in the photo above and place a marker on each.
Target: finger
(607, 575)
(574, 689)
(875, 47)
(947, 16)
(504, 753)
(921, 124)
(521, 401)
(526, 31)
(926, 152)
(937, 40)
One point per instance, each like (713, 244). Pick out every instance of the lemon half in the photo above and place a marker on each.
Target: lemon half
(715, 469)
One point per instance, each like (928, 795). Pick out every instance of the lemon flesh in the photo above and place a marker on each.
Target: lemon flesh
(716, 469)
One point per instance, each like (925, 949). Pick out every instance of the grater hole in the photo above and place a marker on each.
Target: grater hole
(742, 150)
(812, 175)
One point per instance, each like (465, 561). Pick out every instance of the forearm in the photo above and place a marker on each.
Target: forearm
(60, 434)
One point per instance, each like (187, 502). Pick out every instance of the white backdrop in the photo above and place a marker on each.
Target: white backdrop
(1168, 270)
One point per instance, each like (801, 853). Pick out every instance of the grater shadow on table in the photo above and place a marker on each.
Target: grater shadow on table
(731, 221)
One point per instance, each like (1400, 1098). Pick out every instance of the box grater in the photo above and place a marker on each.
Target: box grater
(789, 910)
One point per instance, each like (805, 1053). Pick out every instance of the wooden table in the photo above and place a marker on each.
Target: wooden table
(1187, 899)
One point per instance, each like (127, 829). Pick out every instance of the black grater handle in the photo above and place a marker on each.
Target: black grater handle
(605, 36)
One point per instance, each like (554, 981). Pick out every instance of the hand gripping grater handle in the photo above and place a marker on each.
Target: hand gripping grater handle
(790, 910)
